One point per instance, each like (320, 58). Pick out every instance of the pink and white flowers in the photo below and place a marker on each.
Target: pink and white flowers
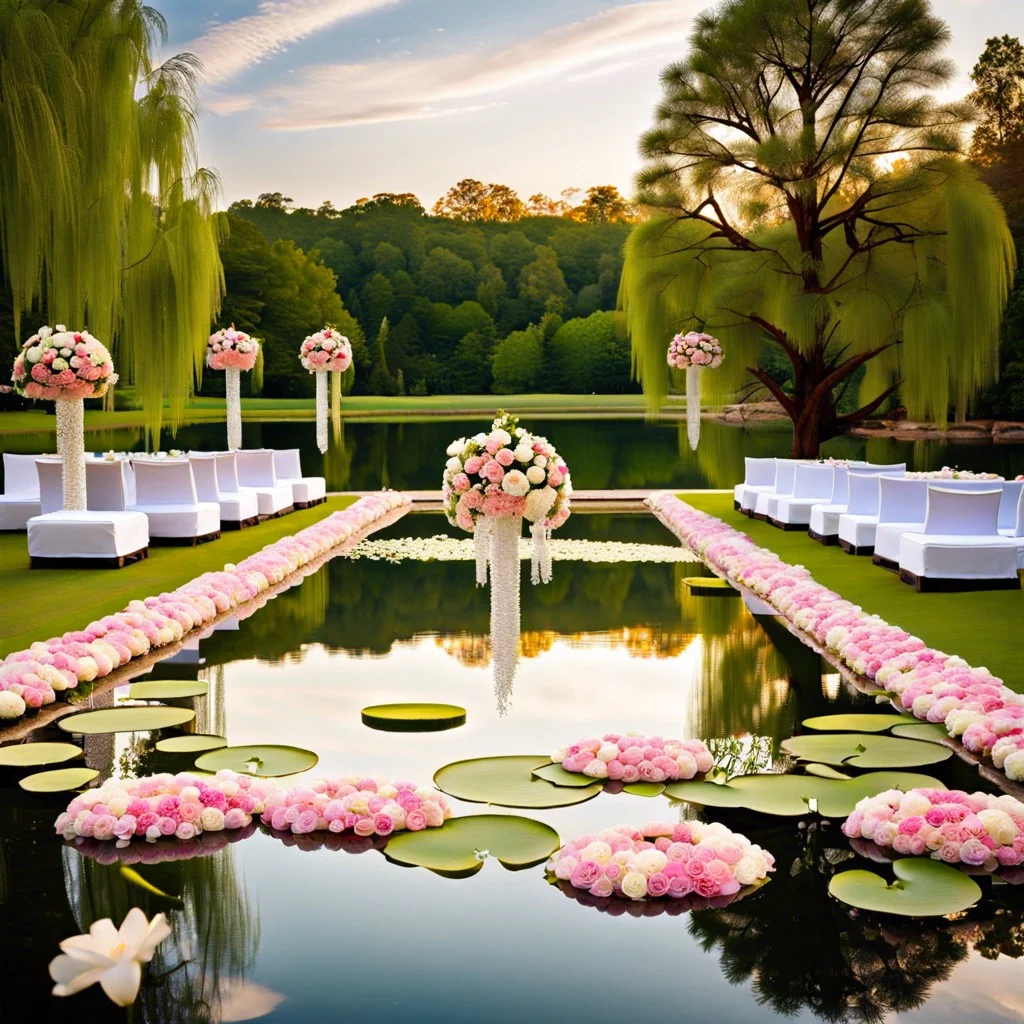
(694, 349)
(62, 364)
(359, 804)
(632, 758)
(231, 349)
(978, 829)
(161, 806)
(327, 350)
(662, 860)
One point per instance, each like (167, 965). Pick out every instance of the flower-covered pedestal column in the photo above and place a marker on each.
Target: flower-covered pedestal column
(66, 367)
(692, 352)
(323, 353)
(233, 393)
(232, 351)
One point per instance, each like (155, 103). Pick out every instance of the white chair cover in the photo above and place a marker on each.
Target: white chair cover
(785, 477)
(256, 476)
(166, 492)
(899, 468)
(288, 469)
(963, 513)
(235, 508)
(106, 486)
(824, 521)
(51, 485)
(20, 500)
(857, 524)
(1008, 506)
(756, 473)
(84, 534)
(749, 492)
(813, 482)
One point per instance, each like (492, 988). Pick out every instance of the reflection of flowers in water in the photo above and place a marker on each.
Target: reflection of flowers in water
(648, 908)
(160, 852)
(346, 842)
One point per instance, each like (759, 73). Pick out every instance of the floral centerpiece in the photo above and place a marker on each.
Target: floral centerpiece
(661, 860)
(952, 473)
(693, 352)
(630, 757)
(326, 352)
(66, 367)
(232, 351)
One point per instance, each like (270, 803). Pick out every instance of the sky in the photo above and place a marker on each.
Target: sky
(339, 99)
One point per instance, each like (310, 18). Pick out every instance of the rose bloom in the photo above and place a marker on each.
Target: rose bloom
(706, 886)
(383, 824)
(415, 820)
(634, 885)
(657, 884)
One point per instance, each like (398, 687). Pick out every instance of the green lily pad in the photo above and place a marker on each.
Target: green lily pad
(710, 586)
(790, 795)
(267, 761)
(140, 719)
(923, 888)
(32, 755)
(191, 743)
(824, 771)
(865, 750)
(168, 689)
(855, 723)
(59, 780)
(929, 732)
(556, 774)
(460, 846)
(414, 717)
(508, 782)
(644, 788)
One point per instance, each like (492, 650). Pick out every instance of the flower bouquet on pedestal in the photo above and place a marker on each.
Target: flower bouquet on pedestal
(692, 352)
(492, 482)
(323, 353)
(232, 351)
(66, 367)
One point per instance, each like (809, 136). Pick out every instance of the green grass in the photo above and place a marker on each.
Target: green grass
(51, 601)
(984, 627)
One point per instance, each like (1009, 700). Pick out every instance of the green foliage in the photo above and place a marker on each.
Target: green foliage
(999, 91)
(592, 354)
(518, 362)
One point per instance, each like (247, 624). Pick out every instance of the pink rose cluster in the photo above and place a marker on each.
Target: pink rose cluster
(694, 349)
(359, 804)
(662, 860)
(161, 806)
(936, 687)
(32, 677)
(327, 350)
(231, 349)
(978, 829)
(62, 364)
(632, 758)
(507, 472)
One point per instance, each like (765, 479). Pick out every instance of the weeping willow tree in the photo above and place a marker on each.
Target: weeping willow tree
(106, 219)
(807, 193)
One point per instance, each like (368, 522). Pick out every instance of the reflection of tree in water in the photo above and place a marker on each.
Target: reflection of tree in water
(799, 948)
(215, 935)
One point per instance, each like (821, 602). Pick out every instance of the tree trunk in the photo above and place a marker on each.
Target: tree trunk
(814, 423)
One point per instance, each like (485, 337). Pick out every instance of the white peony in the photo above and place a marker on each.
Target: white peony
(650, 862)
(456, 446)
(538, 503)
(748, 869)
(541, 461)
(453, 465)
(11, 705)
(523, 453)
(535, 475)
(503, 437)
(515, 483)
(608, 752)
(634, 885)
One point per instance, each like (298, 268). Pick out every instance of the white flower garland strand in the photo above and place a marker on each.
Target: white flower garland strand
(505, 622)
(693, 406)
(481, 548)
(71, 448)
(233, 388)
(540, 554)
(321, 409)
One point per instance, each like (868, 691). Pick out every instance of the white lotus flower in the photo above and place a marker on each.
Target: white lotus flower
(112, 956)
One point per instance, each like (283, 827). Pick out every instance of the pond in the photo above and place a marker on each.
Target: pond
(300, 932)
(602, 453)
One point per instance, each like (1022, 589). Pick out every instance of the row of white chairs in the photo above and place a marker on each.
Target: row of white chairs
(953, 532)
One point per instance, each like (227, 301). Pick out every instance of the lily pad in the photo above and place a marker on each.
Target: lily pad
(710, 586)
(414, 717)
(59, 780)
(644, 788)
(825, 771)
(191, 743)
(168, 689)
(556, 774)
(135, 719)
(923, 888)
(865, 750)
(855, 723)
(929, 732)
(32, 755)
(792, 795)
(460, 846)
(267, 761)
(509, 782)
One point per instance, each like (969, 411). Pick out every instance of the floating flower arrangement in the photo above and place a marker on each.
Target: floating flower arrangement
(632, 758)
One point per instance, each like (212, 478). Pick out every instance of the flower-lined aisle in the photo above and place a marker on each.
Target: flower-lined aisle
(33, 677)
(971, 703)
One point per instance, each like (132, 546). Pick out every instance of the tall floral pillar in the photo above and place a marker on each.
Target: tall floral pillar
(694, 352)
(327, 354)
(232, 351)
(66, 367)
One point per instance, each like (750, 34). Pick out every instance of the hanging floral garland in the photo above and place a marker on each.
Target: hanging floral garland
(693, 352)
(232, 351)
(66, 367)
(326, 352)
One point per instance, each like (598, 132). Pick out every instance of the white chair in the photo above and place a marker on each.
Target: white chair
(256, 476)
(758, 475)
(857, 524)
(1009, 507)
(51, 485)
(1017, 533)
(307, 491)
(812, 483)
(236, 510)
(107, 487)
(824, 521)
(960, 547)
(20, 500)
(785, 475)
(165, 491)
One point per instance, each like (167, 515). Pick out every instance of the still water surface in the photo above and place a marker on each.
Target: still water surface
(275, 932)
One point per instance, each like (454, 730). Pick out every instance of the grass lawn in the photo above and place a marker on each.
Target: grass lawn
(47, 602)
(363, 407)
(984, 627)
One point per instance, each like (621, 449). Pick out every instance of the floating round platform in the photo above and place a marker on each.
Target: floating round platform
(710, 586)
(413, 717)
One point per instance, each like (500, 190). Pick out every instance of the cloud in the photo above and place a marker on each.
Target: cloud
(415, 89)
(232, 47)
